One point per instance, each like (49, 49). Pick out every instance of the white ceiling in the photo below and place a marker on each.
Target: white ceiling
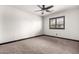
(32, 8)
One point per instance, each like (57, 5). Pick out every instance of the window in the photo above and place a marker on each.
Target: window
(57, 22)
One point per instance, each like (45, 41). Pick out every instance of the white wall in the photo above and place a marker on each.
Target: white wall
(71, 24)
(17, 24)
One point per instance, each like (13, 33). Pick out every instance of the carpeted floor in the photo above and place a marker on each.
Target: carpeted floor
(41, 45)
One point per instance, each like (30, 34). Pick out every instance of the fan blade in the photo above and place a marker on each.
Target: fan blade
(38, 10)
(39, 6)
(48, 10)
(49, 7)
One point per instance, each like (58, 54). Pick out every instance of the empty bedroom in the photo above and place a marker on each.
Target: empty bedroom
(39, 29)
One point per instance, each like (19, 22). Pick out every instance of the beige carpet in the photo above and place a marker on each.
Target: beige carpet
(41, 45)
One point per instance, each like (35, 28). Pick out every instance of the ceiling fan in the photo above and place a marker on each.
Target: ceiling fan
(44, 8)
